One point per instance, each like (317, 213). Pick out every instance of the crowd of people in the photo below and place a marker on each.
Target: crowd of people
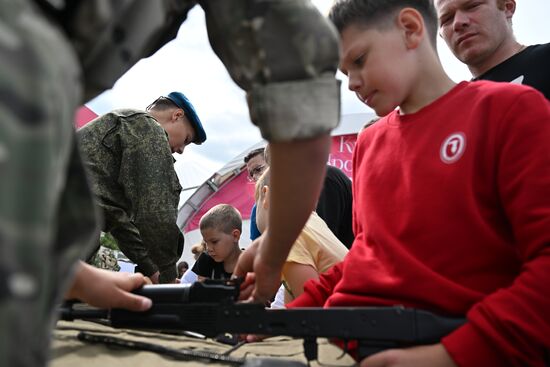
(448, 209)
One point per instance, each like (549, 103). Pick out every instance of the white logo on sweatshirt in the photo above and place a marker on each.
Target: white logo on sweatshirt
(452, 148)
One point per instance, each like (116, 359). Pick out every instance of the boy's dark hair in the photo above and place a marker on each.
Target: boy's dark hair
(253, 153)
(222, 217)
(378, 13)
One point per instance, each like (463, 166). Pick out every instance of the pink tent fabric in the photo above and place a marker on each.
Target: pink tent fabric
(239, 192)
(83, 116)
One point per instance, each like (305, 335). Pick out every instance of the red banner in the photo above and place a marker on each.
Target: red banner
(341, 152)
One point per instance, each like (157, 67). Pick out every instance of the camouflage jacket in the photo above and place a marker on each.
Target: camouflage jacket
(47, 215)
(132, 173)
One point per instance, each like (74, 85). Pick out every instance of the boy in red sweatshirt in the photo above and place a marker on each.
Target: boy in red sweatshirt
(451, 195)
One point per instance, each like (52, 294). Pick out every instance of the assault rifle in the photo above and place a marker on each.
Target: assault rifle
(210, 308)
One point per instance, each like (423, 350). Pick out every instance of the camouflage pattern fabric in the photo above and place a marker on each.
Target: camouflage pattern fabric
(47, 218)
(132, 173)
(283, 53)
(105, 258)
(69, 351)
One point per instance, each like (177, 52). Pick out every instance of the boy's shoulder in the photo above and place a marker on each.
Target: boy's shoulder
(502, 96)
(484, 95)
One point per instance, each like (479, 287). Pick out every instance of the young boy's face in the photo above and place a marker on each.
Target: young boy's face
(376, 63)
(220, 245)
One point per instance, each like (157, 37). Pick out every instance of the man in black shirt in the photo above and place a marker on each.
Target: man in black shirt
(334, 204)
(481, 36)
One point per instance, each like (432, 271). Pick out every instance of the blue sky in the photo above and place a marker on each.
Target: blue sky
(188, 64)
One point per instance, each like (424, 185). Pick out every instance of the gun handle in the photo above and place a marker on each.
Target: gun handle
(310, 349)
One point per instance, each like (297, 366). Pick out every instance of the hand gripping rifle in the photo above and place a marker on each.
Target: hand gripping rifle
(210, 308)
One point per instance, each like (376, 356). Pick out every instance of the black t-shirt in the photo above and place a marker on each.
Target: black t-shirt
(206, 267)
(529, 67)
(334, 205)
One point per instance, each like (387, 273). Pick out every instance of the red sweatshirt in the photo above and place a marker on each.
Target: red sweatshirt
(452, 215)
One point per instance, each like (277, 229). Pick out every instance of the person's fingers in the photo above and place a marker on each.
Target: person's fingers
(132, 302)
(124, 299)
(247, 286)
(134, 281)
(246, 293)
(259, 296)
(249, 279)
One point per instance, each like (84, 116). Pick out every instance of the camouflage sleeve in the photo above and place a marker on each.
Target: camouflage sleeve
(128, 236)
(284, 53)
(151, 185)
(46, 208)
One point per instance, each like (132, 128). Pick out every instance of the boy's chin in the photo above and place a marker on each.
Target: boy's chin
(381, 111)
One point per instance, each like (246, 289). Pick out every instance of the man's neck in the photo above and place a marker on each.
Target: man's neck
(503, 53)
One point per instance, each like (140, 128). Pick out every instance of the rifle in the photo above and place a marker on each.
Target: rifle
(211, 308)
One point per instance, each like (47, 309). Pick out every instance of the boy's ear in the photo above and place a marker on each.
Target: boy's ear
(236, 234)
(411, 22)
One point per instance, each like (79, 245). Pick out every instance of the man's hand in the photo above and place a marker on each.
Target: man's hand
(244, 268)
(297, 173)
(107, 289)
(155, 277)
(262, 279)
(423, 356)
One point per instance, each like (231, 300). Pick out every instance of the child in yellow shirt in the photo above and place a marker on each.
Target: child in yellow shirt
(315, 251)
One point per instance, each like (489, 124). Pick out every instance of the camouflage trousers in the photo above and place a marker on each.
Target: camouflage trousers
(46, 210)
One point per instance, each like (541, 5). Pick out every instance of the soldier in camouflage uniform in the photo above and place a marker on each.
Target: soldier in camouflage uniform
(282, 52)
(128, 154)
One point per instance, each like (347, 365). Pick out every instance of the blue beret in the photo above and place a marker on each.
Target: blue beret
(182, 102)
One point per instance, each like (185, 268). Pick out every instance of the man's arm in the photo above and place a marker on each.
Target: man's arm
(151, 186)
(286, 61)
(297, 174)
